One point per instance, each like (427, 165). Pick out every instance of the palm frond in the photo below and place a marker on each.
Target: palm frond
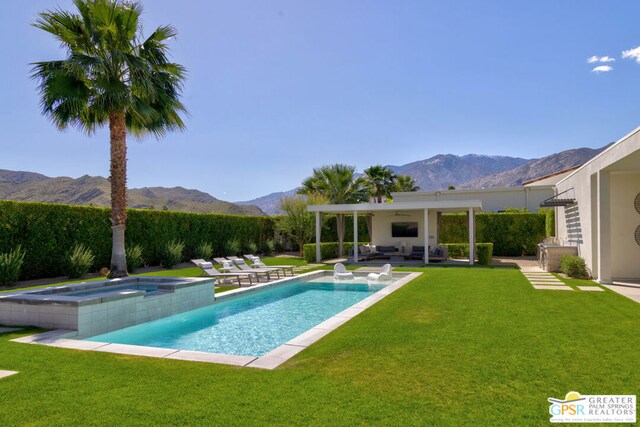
(107, 69)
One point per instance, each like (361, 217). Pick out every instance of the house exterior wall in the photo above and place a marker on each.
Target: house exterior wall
(625, 252)
(382, 229)
(602, 223)
(493, 199)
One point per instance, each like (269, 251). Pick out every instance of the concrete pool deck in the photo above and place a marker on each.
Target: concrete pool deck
(63, 338)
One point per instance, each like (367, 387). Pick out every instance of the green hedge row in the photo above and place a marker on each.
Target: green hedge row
(328, 250)
(484, 251)
(512, 234)
(47, 233)
(330, 229)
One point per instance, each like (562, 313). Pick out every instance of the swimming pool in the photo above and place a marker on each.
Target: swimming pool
(261, 326)
(248, 325)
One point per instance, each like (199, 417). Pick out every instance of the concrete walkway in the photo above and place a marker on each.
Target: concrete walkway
(627, 289)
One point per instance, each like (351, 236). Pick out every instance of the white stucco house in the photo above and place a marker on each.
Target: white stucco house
(599, 211)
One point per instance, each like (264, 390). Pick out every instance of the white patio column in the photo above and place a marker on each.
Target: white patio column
(355, 236)
(472, 232)
(426, 236)
(318, 232)
(604, 228)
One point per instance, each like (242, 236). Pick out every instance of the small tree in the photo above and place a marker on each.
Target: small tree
(297, 223)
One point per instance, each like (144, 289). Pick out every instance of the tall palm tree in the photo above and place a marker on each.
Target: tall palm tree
(111, 75)
(381, 179)
(404, 183)
(337, 184)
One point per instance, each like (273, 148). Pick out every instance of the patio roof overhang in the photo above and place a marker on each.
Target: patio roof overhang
(364, 208)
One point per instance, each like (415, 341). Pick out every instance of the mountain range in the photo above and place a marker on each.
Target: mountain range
(436, 173)
(469, 171)
(96, 191)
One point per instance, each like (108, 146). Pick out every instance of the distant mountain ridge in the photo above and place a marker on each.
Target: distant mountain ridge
(469, 171)
(443, 170)
(269, 203)
(96, 191)
(535, 168)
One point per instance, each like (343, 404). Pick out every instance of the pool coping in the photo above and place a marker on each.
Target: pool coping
(63, 338)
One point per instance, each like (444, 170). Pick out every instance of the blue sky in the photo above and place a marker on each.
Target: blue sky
(278, 87)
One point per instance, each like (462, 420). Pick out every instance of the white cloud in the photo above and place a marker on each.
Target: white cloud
(595, 59)
(632, 53)
(602, 69)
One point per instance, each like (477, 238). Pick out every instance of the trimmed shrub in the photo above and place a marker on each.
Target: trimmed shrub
(484, 251)
(232, 247)
(172, 254)
(574, 266)
(134, 257)
(457, 250)
(328, 250)
(203, 250)
(268, 247)
(79, 261)
(250, 248)
(10, 266)
(47, 232)
(279, 246)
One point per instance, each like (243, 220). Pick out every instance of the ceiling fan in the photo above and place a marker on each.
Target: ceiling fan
(401, 214)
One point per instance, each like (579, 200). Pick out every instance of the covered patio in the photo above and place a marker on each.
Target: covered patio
(402, 225)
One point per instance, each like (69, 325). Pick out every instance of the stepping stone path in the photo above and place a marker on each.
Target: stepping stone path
(540, 279)
(4, 374)
(545, 281)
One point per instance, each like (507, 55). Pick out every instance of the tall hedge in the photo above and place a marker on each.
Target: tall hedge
(330, 229)
(512, 234)
(47, 232)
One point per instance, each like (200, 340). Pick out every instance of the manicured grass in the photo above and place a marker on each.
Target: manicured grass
(453, 347)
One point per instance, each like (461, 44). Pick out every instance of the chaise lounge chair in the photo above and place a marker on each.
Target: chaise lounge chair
(340, 272)
(268, 270)
(211, 271)
(384, 274)
(257, 263)
(230, 267)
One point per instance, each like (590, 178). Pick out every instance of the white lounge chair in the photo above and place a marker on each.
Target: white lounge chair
(384, 274)
(211, 271)
(340, 272)
(257, 263)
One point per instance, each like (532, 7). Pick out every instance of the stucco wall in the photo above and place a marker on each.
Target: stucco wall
(583, 185)
(493, 200)
(382, 229)
(625, 260)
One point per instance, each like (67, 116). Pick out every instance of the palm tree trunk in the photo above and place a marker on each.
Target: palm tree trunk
(118, 134)
(340, 227)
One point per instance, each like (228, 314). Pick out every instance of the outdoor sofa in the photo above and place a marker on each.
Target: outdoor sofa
(439, 253)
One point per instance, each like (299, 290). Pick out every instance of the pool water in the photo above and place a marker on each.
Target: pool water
(248, 325)
(147, 287)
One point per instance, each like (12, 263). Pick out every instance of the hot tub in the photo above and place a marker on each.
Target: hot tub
(97, 307)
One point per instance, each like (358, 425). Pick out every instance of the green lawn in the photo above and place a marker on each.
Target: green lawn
(453, 347)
